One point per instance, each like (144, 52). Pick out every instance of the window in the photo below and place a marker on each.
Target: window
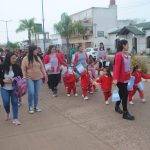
(148, 42)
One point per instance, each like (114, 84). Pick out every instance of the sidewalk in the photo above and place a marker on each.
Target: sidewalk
(69, 123)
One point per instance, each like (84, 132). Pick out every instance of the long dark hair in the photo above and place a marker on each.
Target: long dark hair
(103, 45)
(31, 57)
(7, 62)
(121, 43)
(50, 49)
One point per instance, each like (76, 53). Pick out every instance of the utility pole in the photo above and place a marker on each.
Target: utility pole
(6, 22)
(43, 25)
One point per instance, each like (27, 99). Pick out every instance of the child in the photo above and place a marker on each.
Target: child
(70, 81)
(138, 74)
(106, 84)
(92, 71)
(85, 85)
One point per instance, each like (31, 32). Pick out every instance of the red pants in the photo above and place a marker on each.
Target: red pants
(132, 93)
(107, 95)
(85, 90)
(71, 87)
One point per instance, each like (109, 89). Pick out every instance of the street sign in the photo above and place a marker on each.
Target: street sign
(100, 33)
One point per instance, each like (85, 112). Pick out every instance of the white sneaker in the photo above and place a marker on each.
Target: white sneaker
(31, 111)
(68, 95)
(86, 98)
(91, 92)
(16, 122)
(76, 95)
(37, 110)
(107, 102)
(143, 100)
(131, 103)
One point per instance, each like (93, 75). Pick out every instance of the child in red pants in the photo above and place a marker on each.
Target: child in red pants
(106, 84)
(138, 74)
(86, 85)
(70, 82)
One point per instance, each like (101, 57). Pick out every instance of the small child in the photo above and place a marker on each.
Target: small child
(106, 84)
(138, 74)
(70, 81)
(85, 85)
(92, 71)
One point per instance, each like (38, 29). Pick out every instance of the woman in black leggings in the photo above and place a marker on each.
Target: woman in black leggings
(122, 77)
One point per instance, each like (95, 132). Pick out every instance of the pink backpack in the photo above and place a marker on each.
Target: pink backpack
(20, 86)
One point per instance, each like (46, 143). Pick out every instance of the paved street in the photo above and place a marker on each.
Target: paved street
(69, 123)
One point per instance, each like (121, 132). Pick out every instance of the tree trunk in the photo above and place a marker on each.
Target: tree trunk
(68, 50)
(29, 37)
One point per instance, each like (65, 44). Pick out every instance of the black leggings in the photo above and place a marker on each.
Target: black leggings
(123, 92)
(53, 80)
(102, 64)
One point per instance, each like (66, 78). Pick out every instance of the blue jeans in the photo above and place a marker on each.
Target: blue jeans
(33, 92)
(7, 96)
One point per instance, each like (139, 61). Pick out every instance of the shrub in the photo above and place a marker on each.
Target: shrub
(140, 61)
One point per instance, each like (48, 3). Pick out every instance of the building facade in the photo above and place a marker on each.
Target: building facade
(98, 22)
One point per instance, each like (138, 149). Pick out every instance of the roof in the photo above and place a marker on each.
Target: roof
(127, 30)
(133, 29)
(145, 25)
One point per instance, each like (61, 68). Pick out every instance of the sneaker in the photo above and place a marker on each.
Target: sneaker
(86, 98)
(37, 110)
(131, 103)
(118, 110)
(68, 95)
(128, 116)
(19, 104)
(143, 100)
(76, 95)
(16, 122)
(91, 92)
(7, 116)
(107, 102)
(31, 111)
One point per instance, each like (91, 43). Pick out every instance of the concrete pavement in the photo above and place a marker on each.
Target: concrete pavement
(70, 123)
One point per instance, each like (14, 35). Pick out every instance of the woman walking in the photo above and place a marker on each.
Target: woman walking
(54, 61)
(102, 56)
(81, 57)
(33, 70)
(122, 77)
(8, 70)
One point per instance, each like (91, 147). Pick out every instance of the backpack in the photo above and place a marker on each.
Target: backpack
(20, 86)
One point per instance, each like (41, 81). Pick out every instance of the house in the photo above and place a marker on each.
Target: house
(138, 36)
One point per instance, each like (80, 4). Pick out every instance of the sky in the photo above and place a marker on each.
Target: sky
(15, 10)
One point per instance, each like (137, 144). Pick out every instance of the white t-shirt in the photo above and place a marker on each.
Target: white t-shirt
(8, 77)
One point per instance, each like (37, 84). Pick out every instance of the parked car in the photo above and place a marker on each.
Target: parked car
(92, 52)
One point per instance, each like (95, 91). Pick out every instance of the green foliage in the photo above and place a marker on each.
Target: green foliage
(27, 25)
(12, 46)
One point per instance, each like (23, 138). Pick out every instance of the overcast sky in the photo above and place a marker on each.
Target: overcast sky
(15, 10)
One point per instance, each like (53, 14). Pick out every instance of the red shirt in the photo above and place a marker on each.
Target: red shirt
(106, 82)
(85, 80)
(69, 78)
(119, 73)
(138, 77)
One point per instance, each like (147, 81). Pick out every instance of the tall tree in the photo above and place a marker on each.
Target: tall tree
(27, 25)
(65, 27)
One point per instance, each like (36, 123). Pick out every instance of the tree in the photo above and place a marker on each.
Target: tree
(66, 27)
(28, 25)
(12, 46)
